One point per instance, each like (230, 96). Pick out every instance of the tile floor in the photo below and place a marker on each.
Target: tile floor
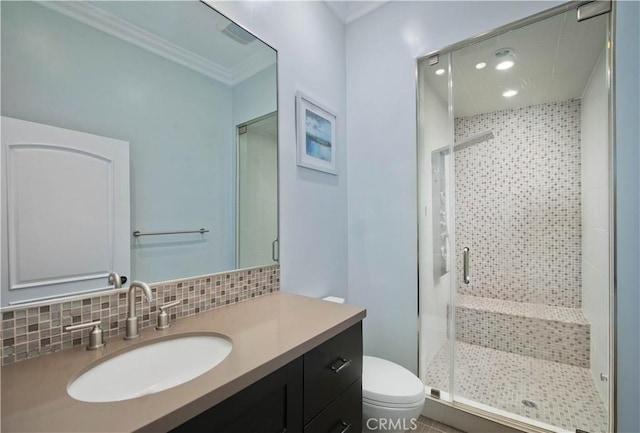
(426, 425)
(565, 395)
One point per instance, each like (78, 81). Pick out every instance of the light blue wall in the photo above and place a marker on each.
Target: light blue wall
(627, 73)
(178, 122)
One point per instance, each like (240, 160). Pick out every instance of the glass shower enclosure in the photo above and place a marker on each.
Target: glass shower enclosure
(257, 192)
(514, 223)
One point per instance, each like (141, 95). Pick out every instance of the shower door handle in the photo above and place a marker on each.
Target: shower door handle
(275, 250)
(465, 265)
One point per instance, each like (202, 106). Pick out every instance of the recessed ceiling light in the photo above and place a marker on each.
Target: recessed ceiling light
(439, 71)
(481, 65)
(506, 58)
(509, 93)
(505, 64)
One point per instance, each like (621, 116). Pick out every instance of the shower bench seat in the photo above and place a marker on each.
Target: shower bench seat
(541, 331)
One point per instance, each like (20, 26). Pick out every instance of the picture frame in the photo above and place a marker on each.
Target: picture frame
(315, 135)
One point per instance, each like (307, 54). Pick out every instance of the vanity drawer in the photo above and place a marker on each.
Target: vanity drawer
(343, 415)
(330, 369)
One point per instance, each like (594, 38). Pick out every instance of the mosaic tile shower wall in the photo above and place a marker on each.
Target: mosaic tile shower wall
(518, 204)
(33, 331)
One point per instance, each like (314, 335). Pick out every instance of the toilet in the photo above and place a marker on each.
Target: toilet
(392, 396)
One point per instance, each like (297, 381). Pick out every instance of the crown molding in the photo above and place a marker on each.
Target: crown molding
(349, 10)
(103, 21)
(252, 65)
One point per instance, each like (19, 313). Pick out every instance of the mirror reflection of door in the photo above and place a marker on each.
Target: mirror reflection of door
(80, 182)
(257, 192)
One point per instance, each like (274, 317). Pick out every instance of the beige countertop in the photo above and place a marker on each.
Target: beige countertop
(267, 333)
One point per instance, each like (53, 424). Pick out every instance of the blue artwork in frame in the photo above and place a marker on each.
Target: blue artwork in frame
(316, 135)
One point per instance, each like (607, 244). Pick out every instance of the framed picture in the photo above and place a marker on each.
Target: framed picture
(316, 135)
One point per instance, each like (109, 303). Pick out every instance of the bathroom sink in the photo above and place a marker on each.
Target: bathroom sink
(150, 368)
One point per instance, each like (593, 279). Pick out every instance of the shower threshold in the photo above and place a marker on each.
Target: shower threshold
(498, 382)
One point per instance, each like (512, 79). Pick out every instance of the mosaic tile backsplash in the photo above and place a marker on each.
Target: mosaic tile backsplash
(33, 331)
(518, 204)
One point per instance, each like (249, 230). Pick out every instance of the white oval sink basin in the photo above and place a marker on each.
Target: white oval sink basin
(150, 368)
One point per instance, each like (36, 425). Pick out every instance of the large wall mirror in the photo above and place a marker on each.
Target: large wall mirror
(138, 138)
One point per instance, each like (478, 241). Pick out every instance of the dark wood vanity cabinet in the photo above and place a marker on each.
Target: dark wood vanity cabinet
(271, 405)
(320, 392)
(344, 414)
(332, 370)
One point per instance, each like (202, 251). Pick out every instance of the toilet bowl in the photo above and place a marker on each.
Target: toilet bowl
(392, 396)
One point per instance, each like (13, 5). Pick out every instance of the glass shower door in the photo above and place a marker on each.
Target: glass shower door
(514, 224)
(531, 225)
(436, 268)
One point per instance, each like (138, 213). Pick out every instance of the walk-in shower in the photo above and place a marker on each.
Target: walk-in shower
(514, 213)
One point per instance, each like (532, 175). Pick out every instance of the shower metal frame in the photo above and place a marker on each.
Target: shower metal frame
(611, 63)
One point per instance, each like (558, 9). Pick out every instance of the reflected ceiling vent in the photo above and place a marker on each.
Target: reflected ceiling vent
(236, 32)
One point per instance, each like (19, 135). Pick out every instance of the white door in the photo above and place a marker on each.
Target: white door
(65, 206)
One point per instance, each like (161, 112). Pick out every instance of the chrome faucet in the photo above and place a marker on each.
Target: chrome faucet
(115, 279)
(133, 329)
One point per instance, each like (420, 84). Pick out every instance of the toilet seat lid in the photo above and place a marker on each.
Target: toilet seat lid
(387, 382)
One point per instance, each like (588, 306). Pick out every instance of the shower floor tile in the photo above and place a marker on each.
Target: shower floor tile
(564, 395)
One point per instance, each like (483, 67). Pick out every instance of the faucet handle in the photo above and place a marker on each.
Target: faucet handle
(115, 279)
(163, 317)
(96, 340)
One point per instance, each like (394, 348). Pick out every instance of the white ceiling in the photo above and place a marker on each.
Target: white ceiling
(554, 60)
(350, 10)
(159, 27)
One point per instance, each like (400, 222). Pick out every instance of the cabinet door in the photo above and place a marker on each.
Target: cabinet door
(330, 368)
(271, 405)
(67, 211)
